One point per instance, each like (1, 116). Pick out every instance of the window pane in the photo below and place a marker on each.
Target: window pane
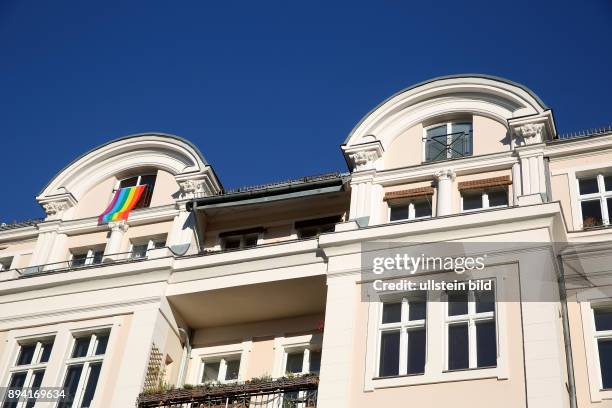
(588, 185)
(129, 182)
(458, 347)
(232, 243)
(498, 197)
(436, 144)
(139, 251)
(37, 377)
(250, 241)
(422, 208)
(16, 383)
(591, 213)
(102, 343)
(97, 257)
(45, 352)
(79, 259)
(605, 362)
(211, 372)
(461, 144)
(603, 319)
(485, 301)
(92, 382)
(159, 244)
(416, 310)
(295, 362)
(70, 385)
(416, 351)
(389, 353)
(392, 312)
(608, 183)
(399, 212)
(472, 200)
(486, 344)
(81, 345)
(232, 369)
(26, 353)
(457, 303)
(315, 361)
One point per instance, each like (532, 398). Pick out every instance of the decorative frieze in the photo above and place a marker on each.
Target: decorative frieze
(364, 156)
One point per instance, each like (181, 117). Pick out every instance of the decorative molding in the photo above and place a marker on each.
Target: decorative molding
(531, 133)
(363, 160)
(364, 155)
(55, 206)
(202, 183)
(120, 226)
(412, 192)
(445, 174)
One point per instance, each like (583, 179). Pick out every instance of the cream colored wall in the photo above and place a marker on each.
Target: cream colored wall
(94, 239)
(166, 189)
(489, 136)
(21, 251)
(261, 358)
(559, 185)
(406, 149)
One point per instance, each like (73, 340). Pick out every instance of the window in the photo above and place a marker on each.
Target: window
(28, 370)
(603, 338)
(448, 141)
(595, 199)
(225, 369)
(148, 180)
(471, 330)
(5, 263)
(409, 210)
(85, 257)
(139, 249)
(83, 369)
(240, 239)
(314, 228)
(402, 337)
(302, 361)
(487, 198)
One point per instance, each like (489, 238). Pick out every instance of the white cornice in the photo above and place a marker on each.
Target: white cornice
(570, 148)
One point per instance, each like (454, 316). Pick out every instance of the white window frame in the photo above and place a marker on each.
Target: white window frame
(140, 176)
(404, 326)
(150, 242)
(295, 344)
(602, 195)
(599, 335)
(216, 353)
(89, 256)
(29, 369)
(484, 193)
(471, 318)
(449, 138)
(598, 298)
(411, 210)
(86, 361)
(222, 360)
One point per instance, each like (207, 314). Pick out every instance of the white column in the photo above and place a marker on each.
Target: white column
(183, 230)
(444, 203)
(118, 229)
(532, 174)
(338, 355)
(362, 198)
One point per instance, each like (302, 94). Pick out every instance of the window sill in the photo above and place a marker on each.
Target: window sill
(435, 378)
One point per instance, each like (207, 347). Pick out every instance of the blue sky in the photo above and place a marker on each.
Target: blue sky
(267, 90)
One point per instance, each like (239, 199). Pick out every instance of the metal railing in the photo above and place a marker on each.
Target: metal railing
(449, 146)
(80, 263)
(298, 392)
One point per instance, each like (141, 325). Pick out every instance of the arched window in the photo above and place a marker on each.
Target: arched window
(145, 179)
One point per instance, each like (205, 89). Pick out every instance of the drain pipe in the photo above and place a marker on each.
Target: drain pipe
(569, 359)
(186, 357)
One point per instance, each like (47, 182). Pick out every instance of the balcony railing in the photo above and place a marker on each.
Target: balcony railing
(80, 263)
(297, 392)
(448, 146)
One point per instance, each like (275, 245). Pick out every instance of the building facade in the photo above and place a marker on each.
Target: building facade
(213, 297)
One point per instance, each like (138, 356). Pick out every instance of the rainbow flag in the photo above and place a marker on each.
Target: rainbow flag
(123, 202)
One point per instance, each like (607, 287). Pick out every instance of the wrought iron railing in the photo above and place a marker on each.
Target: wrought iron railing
(448, 146)
(80, 263)
(298, 392)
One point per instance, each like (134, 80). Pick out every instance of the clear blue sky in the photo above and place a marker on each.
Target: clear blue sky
(267, 90)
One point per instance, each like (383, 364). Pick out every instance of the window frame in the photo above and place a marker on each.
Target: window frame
(286, 345)
(212, 353)
(602, 195)
(411, 208)
(34, 366)
(484, 197)
(138, 183)
(90, 255)
(471, 318)
(242, 238)
(403, 326)
(149, 242)
(222, 360)
(86, 361)
(449, 139)
(601, 335)
(306, 360)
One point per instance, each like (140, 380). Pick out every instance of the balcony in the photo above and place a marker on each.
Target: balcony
(448, 146)
(296, 392)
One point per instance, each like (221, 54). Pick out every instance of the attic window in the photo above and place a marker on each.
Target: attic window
(145, 179)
